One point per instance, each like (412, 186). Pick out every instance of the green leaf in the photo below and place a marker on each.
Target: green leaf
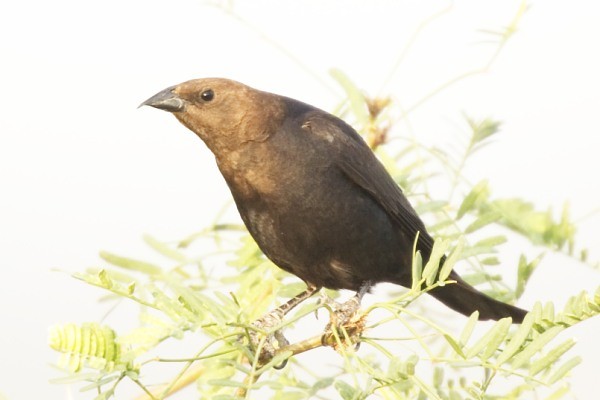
(559, 393)
(469, 327)
(548, 312)
(321, 384)
(440, 246)
(455, 345)
(516, 340)
(131, 288)
(410, 364)
(472, 251)
(490, 261)
(479, 193)
(550, 358)
(346, 391)
(524, 272)
(430, 206)
(166, 250)
(484, 246)
(483, 220)
(452, 259)
(131, 264)
(438, 377)
(105, 279)
(537, 226)
(536, 345)
(564, 369)
(536, 311)
(491, 241)
(493, 336)
(104, 395)
(482, 130)
(499, 334)
(417, 266)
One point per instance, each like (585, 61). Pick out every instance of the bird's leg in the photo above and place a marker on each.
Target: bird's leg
(343, 312)
(274, 318)
(343, 316)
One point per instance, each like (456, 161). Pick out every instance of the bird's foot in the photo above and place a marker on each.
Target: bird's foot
(346, 322)
(269, 345)
(274, 340)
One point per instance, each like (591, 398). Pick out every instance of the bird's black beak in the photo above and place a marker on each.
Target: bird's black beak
(165, 100)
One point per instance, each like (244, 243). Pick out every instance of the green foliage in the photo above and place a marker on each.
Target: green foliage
(89, 345)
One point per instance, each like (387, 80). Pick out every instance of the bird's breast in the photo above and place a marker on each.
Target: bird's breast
(309, 218)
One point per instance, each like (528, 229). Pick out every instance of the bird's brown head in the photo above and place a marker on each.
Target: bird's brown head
(223, 113)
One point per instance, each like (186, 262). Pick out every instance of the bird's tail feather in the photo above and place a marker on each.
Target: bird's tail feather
(465, 299)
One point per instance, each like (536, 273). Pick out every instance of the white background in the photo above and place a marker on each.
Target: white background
(81, 169)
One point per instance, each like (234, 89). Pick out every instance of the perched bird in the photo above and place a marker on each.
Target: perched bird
(312, 194)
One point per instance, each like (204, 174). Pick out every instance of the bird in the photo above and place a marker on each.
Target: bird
(312, 194)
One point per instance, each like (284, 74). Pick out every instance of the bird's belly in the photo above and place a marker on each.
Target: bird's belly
(334, 241)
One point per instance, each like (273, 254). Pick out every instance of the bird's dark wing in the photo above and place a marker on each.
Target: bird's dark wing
(356, 160)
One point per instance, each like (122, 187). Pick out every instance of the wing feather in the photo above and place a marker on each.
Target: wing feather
(356, 160)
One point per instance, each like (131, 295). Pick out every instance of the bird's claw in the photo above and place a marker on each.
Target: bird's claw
(273, 341)
(346, 319)
(346, 324)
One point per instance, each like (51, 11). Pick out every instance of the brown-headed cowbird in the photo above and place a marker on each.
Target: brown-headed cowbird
(311, 192)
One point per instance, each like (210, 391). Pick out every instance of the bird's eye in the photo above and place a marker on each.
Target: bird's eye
(207, 95)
